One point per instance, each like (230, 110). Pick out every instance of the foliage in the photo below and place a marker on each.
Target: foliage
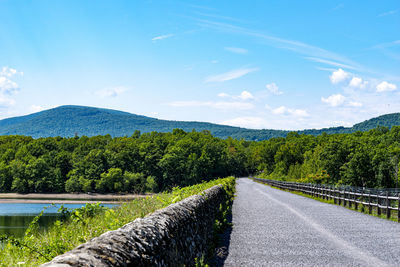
(367, 159)
(80, 225)
(150, 162)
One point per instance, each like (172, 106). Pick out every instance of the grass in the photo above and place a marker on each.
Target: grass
(360, 207)
(81, 225)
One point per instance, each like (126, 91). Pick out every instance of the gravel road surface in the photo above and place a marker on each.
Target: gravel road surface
(276, 228)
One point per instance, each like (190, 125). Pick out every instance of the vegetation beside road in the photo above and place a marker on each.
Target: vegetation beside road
(80, 225)
(365, 159)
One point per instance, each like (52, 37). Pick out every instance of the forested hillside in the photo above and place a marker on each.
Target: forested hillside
(68, 121)
(153, 162)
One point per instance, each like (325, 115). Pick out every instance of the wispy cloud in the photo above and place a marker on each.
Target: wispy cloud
(111, 92)
(329, 62)
(215, 16)
(236, 50)
(388, 13)
(222, 105)
(162, 37)
(245, 95)
(389, 49)
(387, 44)
(230, 75)
(339, 6)
(296, 46)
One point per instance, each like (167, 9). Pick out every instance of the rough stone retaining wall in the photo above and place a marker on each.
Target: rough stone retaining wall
(172, 236)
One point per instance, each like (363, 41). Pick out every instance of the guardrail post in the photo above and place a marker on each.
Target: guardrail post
(379, 203)
(398, 207)
(344, 197)
(351, 198)
(321, 190)
(387, 205)
(369, 203)
(355, 200)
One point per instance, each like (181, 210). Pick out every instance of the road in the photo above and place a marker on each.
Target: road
(276, 228)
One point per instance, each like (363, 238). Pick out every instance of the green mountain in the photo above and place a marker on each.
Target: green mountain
(68, 121)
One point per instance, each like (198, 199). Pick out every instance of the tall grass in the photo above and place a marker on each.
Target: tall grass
(81, 225)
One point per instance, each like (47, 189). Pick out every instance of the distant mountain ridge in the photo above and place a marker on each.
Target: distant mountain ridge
(69, 120)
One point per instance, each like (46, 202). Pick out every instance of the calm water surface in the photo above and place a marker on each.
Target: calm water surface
(15, 218)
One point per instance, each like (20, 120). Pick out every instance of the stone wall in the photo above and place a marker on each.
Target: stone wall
(173, 236)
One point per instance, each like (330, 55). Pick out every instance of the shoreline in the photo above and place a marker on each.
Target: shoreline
(65, 198)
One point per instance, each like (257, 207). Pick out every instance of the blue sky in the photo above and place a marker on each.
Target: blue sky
(256, 64)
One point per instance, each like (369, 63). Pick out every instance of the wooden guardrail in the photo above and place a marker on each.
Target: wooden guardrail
(381, 200)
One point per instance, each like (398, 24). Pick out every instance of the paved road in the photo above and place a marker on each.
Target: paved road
(276, 228)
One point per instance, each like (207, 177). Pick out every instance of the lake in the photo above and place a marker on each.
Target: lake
(15, 217)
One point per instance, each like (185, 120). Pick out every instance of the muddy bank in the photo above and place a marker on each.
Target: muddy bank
(66, 198)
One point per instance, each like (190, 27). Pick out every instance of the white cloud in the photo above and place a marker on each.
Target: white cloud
(245, 95)
(247, 122)
(223, 105)
(334, 100)
(162, 37)
(112, 92)
(214, 61)
(282, 110)
(8, 72)
(339, 76)
(357, 82)
(273, 88)
(7, 86)
(230, 75)
(279, 111)
(385, 87)
(236, 50)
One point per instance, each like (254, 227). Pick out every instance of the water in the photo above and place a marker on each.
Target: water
(15, 218)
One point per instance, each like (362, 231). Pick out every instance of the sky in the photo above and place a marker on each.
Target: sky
(255, 64)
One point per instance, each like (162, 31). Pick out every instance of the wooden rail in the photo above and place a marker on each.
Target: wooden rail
(380, 200)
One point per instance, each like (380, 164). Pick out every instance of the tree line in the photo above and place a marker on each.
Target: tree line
(153, 162)
(149, 162)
